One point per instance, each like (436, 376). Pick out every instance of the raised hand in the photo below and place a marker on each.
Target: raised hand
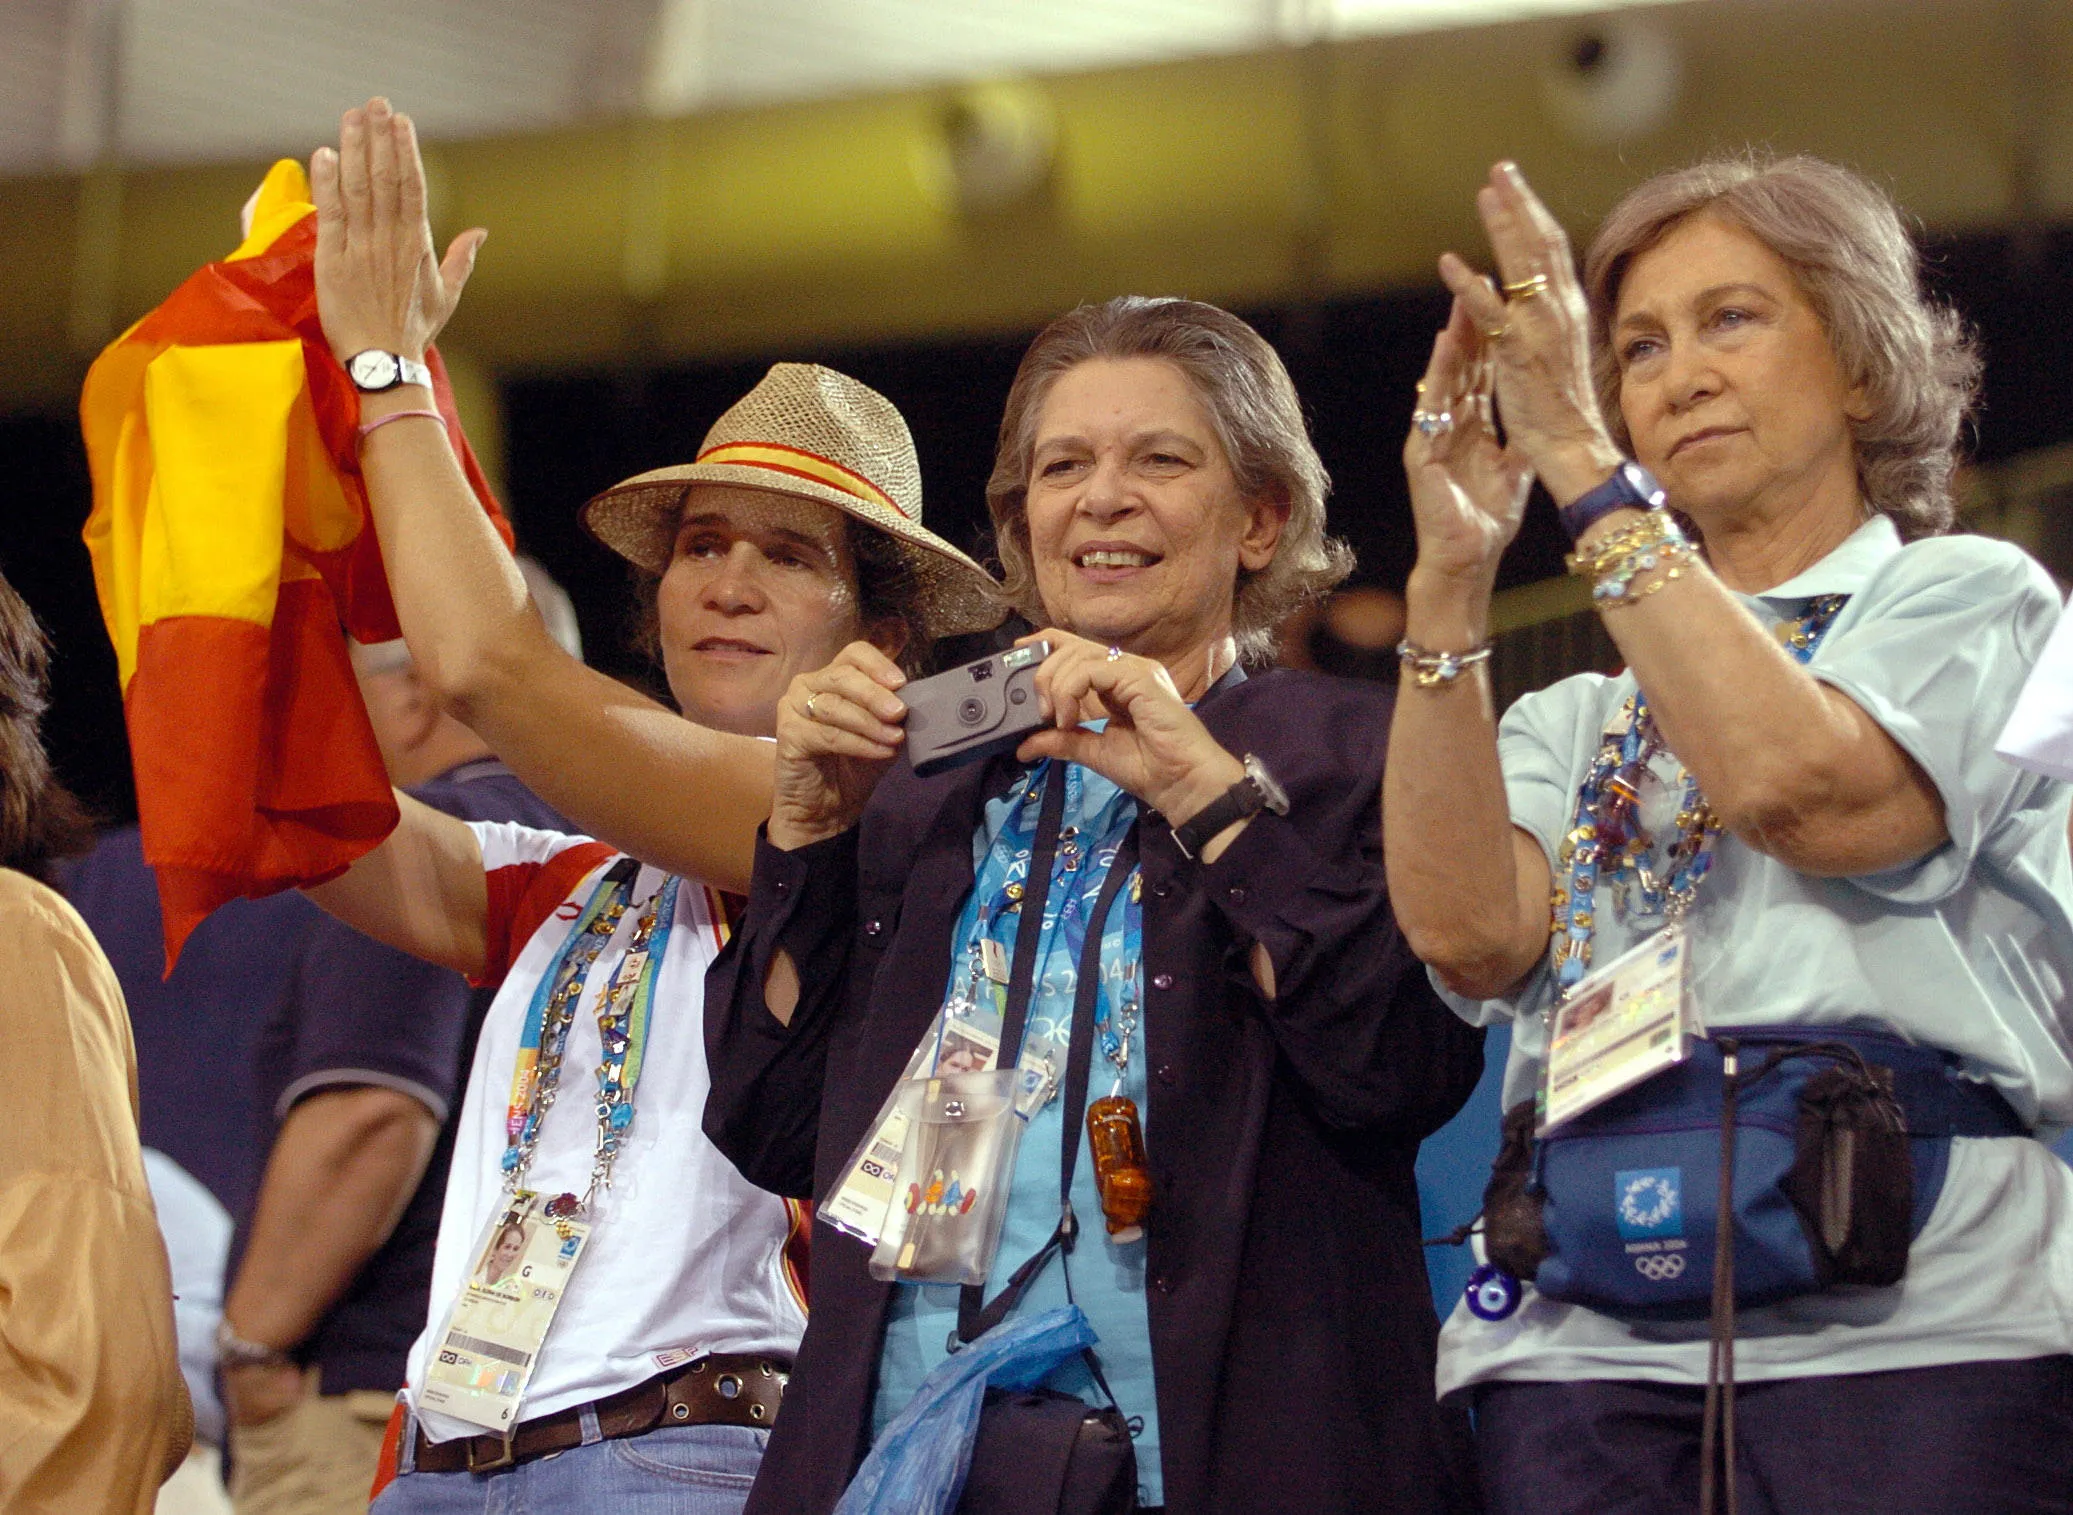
(380, 284)
(837, 730)
(1153, 745)
(1468, 491)
(1537, 324)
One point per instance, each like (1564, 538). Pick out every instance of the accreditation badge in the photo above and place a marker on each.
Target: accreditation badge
(1618, 1026)
(491, 1340)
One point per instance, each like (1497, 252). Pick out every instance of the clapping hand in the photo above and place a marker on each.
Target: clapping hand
(1536, 324)
(1468, 491)
(380, 284)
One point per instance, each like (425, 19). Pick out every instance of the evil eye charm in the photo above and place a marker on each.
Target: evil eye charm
(1492, 1293)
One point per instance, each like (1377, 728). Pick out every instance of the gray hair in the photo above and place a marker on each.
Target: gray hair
(1252, 404)
(1845, 241)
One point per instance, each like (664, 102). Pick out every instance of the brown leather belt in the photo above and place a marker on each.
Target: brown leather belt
(724, 1389)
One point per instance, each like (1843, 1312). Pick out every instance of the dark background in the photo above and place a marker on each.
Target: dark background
(1354, 362)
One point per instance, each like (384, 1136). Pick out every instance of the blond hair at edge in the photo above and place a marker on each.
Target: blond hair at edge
(1858, 267)
(1252, 404)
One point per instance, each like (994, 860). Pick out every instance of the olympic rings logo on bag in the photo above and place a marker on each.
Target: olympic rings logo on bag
(1659, 1267)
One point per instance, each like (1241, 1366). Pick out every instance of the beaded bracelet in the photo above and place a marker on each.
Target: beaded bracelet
(1654, 529)
(1634, 553)
(1429, 670)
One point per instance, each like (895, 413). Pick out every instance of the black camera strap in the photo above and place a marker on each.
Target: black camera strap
(1029, 924)
(975, 1316)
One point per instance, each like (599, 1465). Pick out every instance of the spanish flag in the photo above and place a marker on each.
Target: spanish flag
(233, 552)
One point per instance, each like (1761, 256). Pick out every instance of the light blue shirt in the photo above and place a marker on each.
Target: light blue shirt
(1969, 948)
(1107, 1280)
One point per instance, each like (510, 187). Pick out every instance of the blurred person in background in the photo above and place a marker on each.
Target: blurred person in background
(1796, 772)
(93, 1413)
(797, 530)
(198, 1111)
(1352, 633)
(360, 1073)
(1159, 507)
(197, 1232)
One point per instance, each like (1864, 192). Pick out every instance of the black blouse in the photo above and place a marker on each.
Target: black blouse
(1291, 1321)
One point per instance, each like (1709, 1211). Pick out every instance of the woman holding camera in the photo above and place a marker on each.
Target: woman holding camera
(1794, 781)
(1212, 836)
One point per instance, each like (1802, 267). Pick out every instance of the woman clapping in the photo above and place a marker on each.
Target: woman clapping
(1791, 794)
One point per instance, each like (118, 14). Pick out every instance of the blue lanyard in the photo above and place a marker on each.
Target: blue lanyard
(624, 1016)
(1078, 868)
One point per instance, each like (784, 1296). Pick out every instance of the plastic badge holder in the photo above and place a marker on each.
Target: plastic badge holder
(946, 1219)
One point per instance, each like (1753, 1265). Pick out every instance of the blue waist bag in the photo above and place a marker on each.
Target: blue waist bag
(1841, 1142)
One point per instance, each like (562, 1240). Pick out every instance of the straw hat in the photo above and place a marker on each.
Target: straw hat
(818, 435)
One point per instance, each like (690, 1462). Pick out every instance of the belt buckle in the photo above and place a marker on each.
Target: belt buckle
(505, 1456)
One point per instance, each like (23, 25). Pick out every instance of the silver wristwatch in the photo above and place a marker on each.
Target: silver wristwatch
(374, 371)
(233, 1351)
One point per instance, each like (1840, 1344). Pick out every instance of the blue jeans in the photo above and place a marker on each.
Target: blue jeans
(672, 1470)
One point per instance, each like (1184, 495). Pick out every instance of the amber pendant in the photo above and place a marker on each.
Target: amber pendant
(1116, 1140)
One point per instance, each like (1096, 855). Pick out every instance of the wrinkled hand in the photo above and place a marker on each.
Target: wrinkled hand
(379, 282)
(1543, 357)
(1153, 745)
(831, 757)
(1468, 491)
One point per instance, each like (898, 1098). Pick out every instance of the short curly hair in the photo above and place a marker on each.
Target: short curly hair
(1251, 402)
(1850, 250)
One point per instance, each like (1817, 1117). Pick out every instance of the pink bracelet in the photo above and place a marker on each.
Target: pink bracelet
(369, 428)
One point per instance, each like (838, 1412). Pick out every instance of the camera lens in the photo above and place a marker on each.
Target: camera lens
(972, 711)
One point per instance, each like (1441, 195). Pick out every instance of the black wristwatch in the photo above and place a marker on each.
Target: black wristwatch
(1255, 792)
(1631, 487)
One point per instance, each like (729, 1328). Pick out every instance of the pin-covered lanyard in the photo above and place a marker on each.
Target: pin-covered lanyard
(624, 1013)
(1606, 840)
(1078, 886)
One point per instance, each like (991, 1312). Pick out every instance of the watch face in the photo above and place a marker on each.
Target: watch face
(1643, 484)
(1271, 792)
(373, 369)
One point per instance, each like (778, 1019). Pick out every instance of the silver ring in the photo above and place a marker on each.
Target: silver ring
(1114, 653)
(1432, 424)
(809, 706)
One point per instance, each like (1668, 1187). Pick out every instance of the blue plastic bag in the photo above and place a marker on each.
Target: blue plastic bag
(918, 1465)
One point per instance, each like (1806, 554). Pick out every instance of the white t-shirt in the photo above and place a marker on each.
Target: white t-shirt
(685, 1255)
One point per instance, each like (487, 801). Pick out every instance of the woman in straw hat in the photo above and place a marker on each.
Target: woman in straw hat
(661, 1294)
(1220, 982)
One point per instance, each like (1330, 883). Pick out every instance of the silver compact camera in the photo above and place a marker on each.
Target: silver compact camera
(975, 711)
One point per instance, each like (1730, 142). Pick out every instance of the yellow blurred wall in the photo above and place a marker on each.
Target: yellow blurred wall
(1258, 179)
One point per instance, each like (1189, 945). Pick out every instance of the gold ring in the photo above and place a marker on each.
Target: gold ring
(809, 706)
(1494, 333)
(1526, 289)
